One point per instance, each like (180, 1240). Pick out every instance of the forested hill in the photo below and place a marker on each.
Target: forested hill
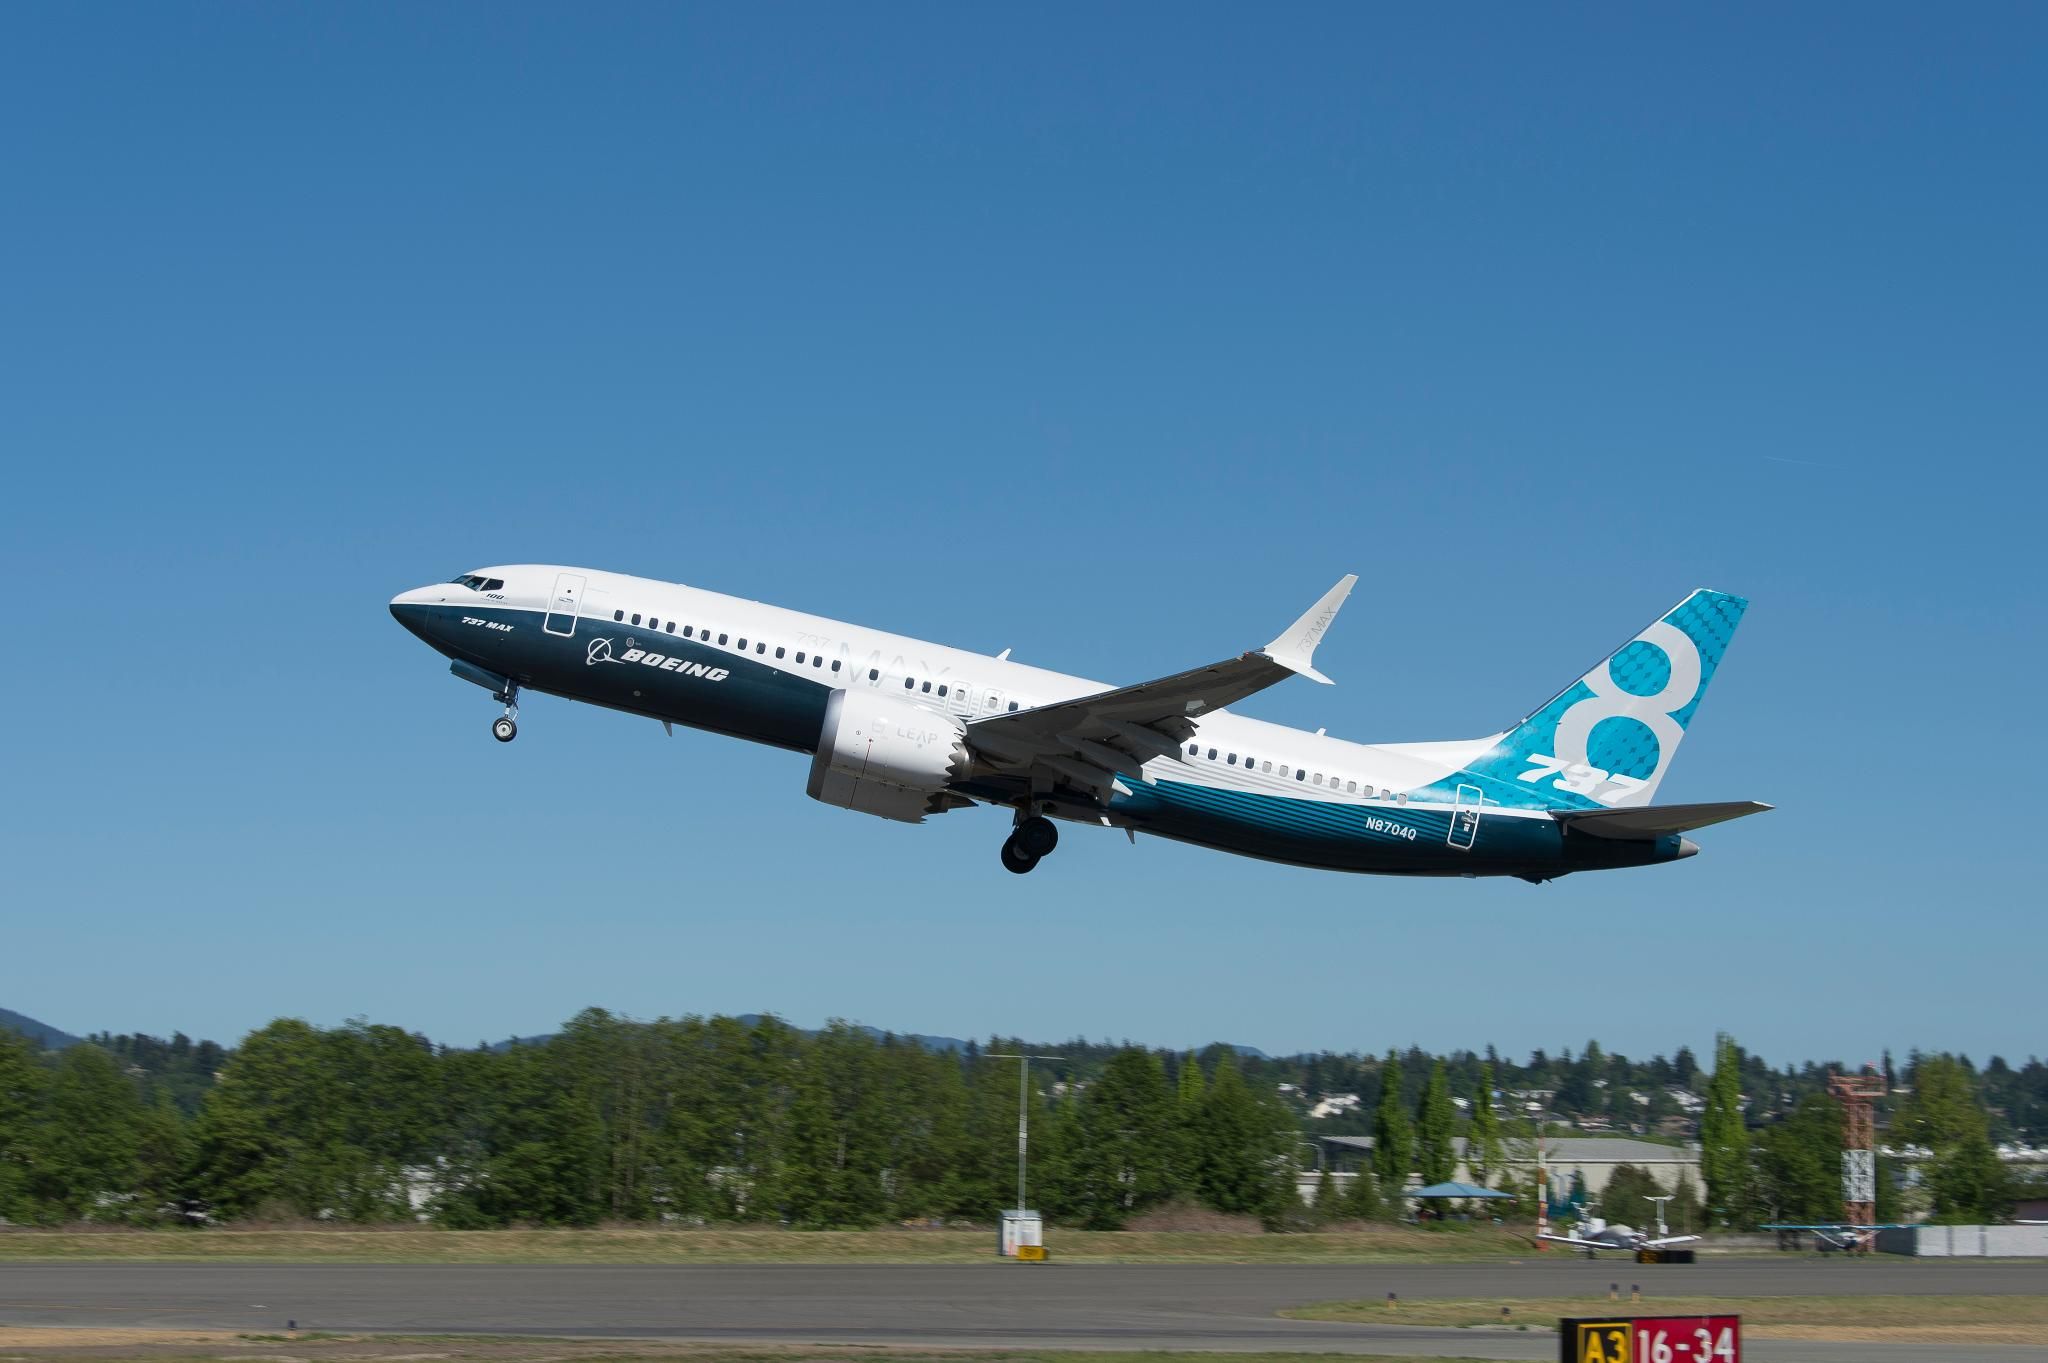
(42, 1033)
(924, 1039)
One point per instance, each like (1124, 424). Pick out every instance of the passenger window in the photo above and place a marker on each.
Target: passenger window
(686, 631)
(1212, 754)
(653, 623)
(835, 664)
(1283, 770)
(1194, 750)
(909, 683)
(874, 674)
(799, 655)
(743, 645)
(1232, 759)
(1402, 798)
(670, 627)
(942, 690)
(721, 640)
(636, 619)
(1013, 705)
(762, 648)
(618, 615)
(1301, 773)
(1265, 766)
(1351, 787)
(927, 688)
(778, 650)
(1368, 790)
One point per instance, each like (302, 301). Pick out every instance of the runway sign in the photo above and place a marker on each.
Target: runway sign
(1650, 1339)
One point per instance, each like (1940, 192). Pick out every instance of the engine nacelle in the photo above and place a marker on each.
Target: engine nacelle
(888, 757)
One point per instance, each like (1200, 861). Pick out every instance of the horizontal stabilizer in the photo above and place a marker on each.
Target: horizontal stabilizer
(1656, 821)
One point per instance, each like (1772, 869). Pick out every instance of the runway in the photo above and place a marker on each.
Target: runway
(1095, 1306)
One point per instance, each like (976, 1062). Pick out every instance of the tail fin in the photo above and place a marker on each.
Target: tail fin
(1607, 739)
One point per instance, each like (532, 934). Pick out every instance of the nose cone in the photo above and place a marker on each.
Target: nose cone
(415, 608)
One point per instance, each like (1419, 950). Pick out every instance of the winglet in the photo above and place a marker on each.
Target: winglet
(1296, 649)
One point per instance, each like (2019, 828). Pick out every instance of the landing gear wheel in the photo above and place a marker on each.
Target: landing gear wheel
(1015, 860)
(503, 729)
(1036, 837)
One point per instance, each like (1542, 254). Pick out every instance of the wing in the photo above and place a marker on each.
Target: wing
(1091, 741)
(1575, 1240)
(1669, 1240)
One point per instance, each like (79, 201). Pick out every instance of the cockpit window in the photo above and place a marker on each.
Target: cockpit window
(479, 584)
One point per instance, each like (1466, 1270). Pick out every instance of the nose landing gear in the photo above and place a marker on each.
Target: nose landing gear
(1032, 839)
(505, 727)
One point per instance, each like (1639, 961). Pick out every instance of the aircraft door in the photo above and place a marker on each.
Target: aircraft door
(564, 604)
(1465, 818)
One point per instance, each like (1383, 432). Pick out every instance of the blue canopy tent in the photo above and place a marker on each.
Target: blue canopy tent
(1447, 1190)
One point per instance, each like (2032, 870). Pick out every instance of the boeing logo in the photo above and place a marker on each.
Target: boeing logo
(600, 651)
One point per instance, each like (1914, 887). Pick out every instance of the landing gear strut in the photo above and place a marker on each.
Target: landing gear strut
(505, 727)
(1032, 839)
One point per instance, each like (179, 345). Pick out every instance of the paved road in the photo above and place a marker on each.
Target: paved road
(1209, 1306)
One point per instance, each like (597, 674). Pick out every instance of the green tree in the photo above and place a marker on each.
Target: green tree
(1327, 1204)
(1246, 1148)
(1724, 1139)
(840, 1129)
(1124, 1163)
(1362, 1200)
(1626, 1198)
(1190, 1090)
(1436, 1129)
(1799, 1162)
(1485, 1151)
(1965, 1181)
(21, 1095)
(1393, 1140)
(88, 1164)
(1687, 1212)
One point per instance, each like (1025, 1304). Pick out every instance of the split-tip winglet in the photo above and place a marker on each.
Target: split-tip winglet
(1295, 649)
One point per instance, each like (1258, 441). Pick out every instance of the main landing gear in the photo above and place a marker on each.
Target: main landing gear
(1032, 839)
(505, 727)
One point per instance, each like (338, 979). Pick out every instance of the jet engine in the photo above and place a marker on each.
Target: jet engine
(889, 757)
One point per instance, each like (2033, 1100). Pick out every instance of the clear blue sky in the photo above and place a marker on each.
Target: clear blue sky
(1112, 336)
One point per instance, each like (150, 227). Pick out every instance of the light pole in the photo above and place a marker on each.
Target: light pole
(1023, 1111)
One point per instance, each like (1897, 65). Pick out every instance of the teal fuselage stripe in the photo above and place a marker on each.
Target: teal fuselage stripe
(782, 707)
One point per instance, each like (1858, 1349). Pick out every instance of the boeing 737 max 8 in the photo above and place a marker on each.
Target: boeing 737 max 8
(905, 729)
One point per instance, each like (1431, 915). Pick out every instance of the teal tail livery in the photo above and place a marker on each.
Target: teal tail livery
(1607, 740)
(905, 729)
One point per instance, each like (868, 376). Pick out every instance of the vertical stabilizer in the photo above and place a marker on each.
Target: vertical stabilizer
(1606, 740)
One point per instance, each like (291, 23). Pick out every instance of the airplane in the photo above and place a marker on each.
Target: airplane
(1829, 1236)
(904, 729)
(1595, 1235)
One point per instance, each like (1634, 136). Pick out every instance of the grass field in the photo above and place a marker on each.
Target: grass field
(1910, 1320)
(750, 1246)
(122, 1346)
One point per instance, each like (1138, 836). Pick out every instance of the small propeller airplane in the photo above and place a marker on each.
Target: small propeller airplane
(1829, 1236)
(1593, 1235)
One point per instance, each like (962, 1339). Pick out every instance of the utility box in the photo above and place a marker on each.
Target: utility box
(1022, 1230)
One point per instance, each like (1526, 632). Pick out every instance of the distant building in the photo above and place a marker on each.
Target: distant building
(1594, 1157)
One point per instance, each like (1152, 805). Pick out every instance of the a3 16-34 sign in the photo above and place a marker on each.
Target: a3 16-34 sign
(1650, 1339)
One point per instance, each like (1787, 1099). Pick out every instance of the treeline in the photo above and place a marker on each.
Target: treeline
(682, 1121)
(724, 1120)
